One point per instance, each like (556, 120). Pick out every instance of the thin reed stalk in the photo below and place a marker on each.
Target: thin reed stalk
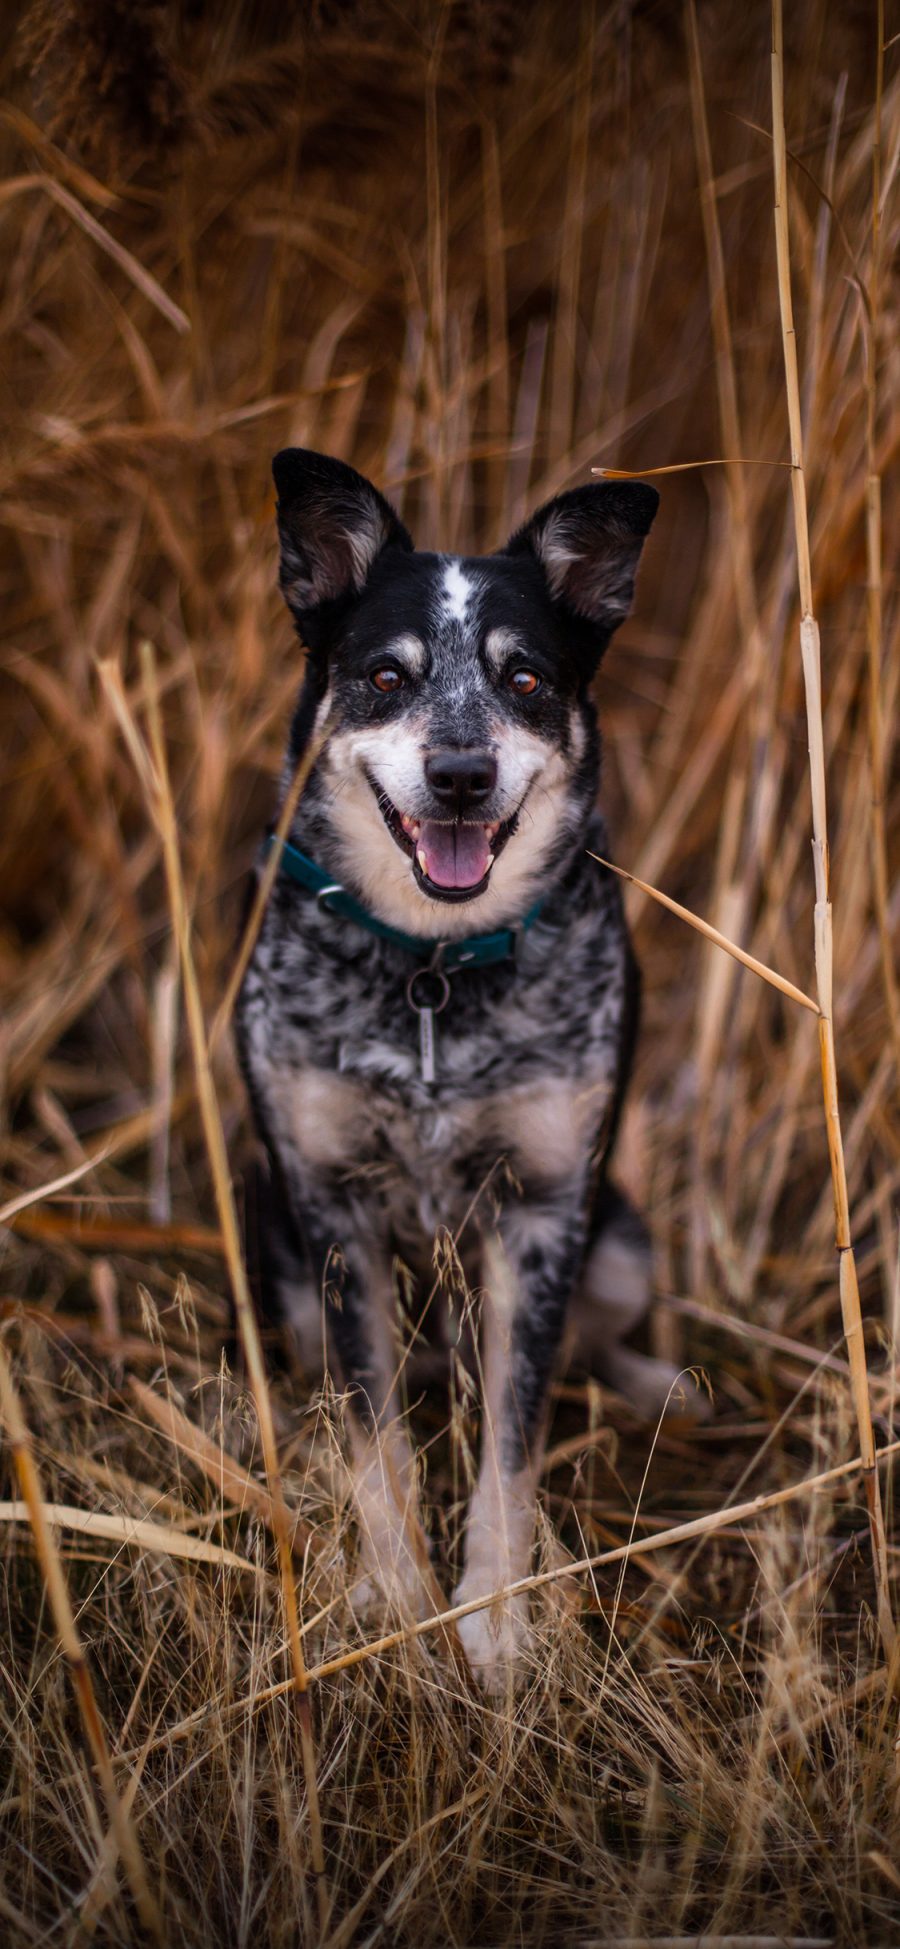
(824, 950)
(749, 776)
(874, 594)
(154, 771)
(119, 1817)
(265, 884)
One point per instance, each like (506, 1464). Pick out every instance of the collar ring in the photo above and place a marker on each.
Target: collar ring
(442, 993)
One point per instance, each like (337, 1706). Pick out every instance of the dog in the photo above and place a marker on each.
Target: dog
(437, 1022)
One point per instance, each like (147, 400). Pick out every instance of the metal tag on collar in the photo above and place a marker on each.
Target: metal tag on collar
(519, 932)
(428, 992)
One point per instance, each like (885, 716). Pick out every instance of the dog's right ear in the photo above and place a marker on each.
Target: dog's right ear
(332, 525)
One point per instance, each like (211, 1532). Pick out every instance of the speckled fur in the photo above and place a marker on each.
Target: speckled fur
(508, 1149)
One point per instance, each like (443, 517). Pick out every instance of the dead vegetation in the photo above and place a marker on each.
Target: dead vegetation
(478, 250)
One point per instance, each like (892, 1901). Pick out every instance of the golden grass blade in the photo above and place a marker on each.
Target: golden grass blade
(763, 1336)
(110, 675)
(710, 1941)
(227, 1475)
(135, 1531)
(37, 139)
(26, 1199)
(684, 467)
(125, 1235)
(36, 1511)
(265, 884)
(810, 654)
(165, 1034)
(127, 262)
(163, 810)
(711, 933)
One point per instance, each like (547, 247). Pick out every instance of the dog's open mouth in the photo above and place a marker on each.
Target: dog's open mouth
(452, 859)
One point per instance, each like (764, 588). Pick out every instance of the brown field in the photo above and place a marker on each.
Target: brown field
(477, 249)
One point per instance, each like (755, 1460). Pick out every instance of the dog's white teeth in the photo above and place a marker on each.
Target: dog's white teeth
(411, 826)
(490, 859)
(492, 831)
(422, 859)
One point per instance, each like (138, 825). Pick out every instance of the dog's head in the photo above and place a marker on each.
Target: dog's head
(461, 756)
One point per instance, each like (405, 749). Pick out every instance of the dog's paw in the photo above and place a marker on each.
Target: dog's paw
(395, 1584)
(496, 1641)
(656, 1386)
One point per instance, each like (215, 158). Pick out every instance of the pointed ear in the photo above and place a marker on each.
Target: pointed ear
(332, 524)
(588, 544)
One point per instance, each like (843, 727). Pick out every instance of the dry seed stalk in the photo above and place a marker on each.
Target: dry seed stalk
(712, 934)
(685, 467)
(809, 650)
(162, 806)
(82, 1683)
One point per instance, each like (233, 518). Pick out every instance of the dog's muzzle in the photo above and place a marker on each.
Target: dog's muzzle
(453, 856)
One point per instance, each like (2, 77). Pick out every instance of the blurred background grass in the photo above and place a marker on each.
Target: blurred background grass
(476, 249)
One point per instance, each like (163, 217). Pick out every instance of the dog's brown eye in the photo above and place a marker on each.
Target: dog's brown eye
(524, 682)
(387, 679)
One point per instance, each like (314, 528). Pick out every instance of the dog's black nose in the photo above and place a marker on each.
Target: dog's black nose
(461, 778)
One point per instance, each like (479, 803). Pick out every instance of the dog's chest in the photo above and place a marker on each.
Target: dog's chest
(427, 1163)
(520, 1090)
(431, 1165)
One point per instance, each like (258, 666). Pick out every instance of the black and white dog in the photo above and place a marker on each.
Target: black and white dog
(437, 1022)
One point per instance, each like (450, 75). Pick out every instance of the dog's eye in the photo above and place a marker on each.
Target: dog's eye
(524, 682)
(387, 678)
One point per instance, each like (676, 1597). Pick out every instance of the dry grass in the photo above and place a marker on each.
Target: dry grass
(477, 250)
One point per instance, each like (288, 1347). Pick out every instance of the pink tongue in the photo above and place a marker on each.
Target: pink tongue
(455, 856)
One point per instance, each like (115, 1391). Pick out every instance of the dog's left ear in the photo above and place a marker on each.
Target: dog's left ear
(588, 544)
(332, 525)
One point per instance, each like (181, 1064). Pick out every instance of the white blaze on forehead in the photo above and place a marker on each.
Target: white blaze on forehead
(457, 591)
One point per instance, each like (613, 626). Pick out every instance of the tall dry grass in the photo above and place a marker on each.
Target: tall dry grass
(479, 251)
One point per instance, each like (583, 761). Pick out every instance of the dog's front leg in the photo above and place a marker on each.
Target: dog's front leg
(530, 1266)
(353, 1266)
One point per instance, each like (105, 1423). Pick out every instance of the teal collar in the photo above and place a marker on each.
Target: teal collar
(477, 951)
